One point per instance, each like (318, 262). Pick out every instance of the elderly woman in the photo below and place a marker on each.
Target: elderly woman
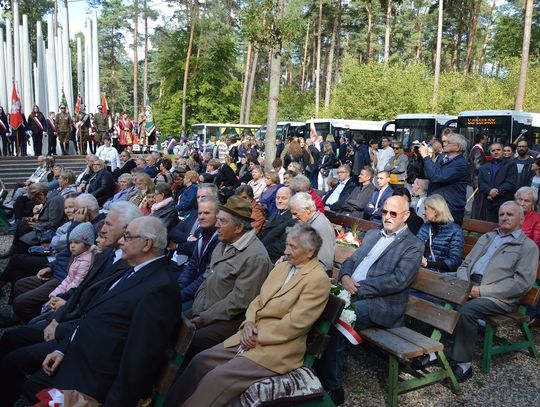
(258, 182)
(268, 196)
(66, 183)
(164, 207)
(164, 175)
(143, 183)
(442, 237)
(127, 190)
(277, 323)
(187, 200)
(526, 197)
(48, 215)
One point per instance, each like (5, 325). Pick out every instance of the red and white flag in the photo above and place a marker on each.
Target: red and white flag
(105, 106)
(16, 117)
(78, 103)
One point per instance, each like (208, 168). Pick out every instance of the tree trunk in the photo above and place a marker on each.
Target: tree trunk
(337, 56)
(520, 95)
(438, 56)
(186, 67)
(369, 10)
(135, 58)
(420, 29)
(330, 65)
(486, 37)
(388, 31)
(246, 83)
(304, 60)
(472, 35)
(318, 68)
(145, 79)
(273, 98)
(457, 42)
(249, 97)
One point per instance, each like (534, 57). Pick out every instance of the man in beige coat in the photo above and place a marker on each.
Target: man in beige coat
(272, 339)
(502, 267)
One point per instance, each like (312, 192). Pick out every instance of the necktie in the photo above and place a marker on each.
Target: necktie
(121, 280)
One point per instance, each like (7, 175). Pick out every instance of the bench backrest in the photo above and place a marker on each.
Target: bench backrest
(448, 289)
(318, 337)
(530, 299)
(351, 222)
(478, 226)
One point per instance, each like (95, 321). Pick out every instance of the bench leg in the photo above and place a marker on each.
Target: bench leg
(446, 366)
(393, 378)
(529, 339)
(488, 347)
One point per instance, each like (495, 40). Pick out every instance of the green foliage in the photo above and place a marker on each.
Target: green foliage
(293, 105)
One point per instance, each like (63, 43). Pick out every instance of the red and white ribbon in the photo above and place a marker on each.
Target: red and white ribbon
(348, 332)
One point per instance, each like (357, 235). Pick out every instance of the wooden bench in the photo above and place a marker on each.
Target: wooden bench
(403, 344)
(185, 333)
(351, 222)
(473, 229)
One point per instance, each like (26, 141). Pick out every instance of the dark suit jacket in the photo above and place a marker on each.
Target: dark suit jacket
(126, 169)
(122, 336)
(343, 196)
(274, 235)
(101, 185)
(386, 287)
(372, 213)
(505, 181)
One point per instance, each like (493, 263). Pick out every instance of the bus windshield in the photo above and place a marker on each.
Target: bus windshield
(496, 128)
(409, 130)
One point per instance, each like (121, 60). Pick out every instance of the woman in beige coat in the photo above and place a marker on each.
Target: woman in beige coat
(272, 339)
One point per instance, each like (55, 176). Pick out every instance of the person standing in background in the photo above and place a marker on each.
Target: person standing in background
(37, 125)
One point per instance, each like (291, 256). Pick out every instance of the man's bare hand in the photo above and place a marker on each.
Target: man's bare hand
(349, 284)
(197, 321)
(56, 303)
(51, 363)
(50, 330)
(44, 274)
(475, 292)
(424, 151)
(248, 335)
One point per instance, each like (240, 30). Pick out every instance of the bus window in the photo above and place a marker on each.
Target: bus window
(496, 128)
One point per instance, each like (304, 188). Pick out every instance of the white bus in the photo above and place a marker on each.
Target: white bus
(419, 126)
(206, 130)
(338, 128)
(503, 126)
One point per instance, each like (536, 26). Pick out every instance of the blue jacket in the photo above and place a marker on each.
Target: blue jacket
(504, 180)
(372, 213)
(449, 180)
(192, 276)
(446, 245)
(188, 199)
(343, 196)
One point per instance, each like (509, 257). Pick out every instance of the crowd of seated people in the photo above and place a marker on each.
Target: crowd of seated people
(107, 262)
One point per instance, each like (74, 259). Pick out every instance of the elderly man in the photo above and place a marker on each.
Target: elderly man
(238, 267)
(135, 313)
(272, 339)
(192, 274)
(378, 276)
(274, 234)
(101, 183)
(497, 180)
(303, 209)
(502, 267)
(127, 164)
(22, 350)
(449, 176)
(360, 195)
(151, 168)
(335, 198)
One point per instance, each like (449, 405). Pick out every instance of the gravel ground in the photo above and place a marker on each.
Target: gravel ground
(514, 379)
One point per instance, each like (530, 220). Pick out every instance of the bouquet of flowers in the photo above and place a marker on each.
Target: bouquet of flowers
(345, 324)
(351, 239)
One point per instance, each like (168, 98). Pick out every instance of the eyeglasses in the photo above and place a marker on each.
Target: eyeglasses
(396, 148)
(127, 237)
(393, 214)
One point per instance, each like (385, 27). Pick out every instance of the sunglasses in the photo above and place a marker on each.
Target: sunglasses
(393, 214)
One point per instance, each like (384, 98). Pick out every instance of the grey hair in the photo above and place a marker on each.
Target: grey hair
(127, 177)
(210, 187)
(520, 208)
(212, 200)
(88, 201)
(303, 201)
(527, 190)
(126, 210)
(307, 237)
(246, 224)
(459, 139)
(154, 229)
(300, 183)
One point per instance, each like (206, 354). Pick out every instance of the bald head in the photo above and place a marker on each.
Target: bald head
(395, 213)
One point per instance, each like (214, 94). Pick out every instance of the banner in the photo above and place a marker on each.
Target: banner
(78, 103)
(104, 104)
(16, 117)
(150, 127)
(63, 100)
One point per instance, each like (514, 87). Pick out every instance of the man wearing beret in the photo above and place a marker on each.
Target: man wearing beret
(237, 270)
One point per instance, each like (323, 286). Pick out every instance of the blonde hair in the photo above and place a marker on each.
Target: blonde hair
(439, 205)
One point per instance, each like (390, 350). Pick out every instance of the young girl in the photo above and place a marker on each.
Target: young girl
(81, 244)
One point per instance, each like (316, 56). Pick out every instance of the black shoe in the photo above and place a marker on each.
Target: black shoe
(9, 253)
(337, 396)
(7, 320)
(422, 362)
(461, 376)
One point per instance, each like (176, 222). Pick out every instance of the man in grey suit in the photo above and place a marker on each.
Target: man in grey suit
(378, 276)
(502, 267)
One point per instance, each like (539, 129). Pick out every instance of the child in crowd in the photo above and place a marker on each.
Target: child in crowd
(81, 244)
